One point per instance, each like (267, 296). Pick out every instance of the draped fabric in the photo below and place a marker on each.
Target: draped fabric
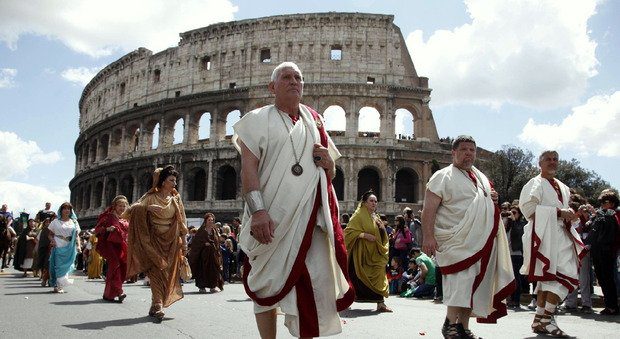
(369, 258)
(43, 249)
(113, 247)
(551, 251)
(95, 261)
(305, 213)
(154, 244)
(62, 262)
(472, 247)
(205, 259)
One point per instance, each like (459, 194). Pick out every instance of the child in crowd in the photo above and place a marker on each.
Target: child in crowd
(395, 273)
(410, 279)
(226, 257)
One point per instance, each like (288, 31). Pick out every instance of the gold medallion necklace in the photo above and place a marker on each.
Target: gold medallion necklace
(296, 168)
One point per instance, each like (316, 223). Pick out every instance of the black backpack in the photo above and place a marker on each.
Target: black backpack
(602, 230)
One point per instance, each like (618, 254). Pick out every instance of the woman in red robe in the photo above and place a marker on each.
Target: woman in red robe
(112, 233)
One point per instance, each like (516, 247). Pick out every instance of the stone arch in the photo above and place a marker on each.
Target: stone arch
(178, 131)
(93, 151)
(369, 122)
(226, 187)
(146, 182)
(335, 119)
(79, 198)
(338, 184)
(133, 138)
(406, 183)
(86, 152)
(117, 135)
(404, 124)
(110, 189)
(126, 187)
(204, 126)
(196, 184)
(368, 178)
(97, 194)
(104, 142)
(155, 132)
(231, 118)
(87, 192)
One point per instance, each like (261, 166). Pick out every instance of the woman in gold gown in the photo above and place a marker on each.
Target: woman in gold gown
(157, 241)
(367, 247)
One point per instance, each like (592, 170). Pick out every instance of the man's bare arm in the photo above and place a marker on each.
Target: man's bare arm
(429, 213)
(262, 227)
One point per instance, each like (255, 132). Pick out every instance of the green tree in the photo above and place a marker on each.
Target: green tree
(509, 169)
(587, 183)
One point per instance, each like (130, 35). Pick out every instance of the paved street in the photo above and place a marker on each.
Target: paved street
(31, 311)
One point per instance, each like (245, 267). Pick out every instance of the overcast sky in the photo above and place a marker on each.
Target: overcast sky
(535, 74)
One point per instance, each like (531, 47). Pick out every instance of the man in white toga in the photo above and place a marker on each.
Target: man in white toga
(552, 248)
(462, 227)
(295, 248)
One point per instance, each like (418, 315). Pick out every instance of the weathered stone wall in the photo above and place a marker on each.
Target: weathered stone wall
(224, 68)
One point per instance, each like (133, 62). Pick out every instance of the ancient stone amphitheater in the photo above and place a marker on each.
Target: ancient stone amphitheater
(177, 107)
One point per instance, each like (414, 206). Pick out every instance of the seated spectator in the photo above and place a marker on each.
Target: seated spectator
(426, 281)
(410, 278)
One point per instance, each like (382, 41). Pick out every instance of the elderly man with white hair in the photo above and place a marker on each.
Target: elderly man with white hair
(552, 248)
(294, 242)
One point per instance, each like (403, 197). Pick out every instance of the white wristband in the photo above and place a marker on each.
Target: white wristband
(254, 200)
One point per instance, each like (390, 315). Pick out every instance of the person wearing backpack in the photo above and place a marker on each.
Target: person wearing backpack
(603, 239)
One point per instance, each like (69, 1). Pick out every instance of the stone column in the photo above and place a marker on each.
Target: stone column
(351, 115)
(134, 193)
(423, 179)
(186, 128)
(123, 143)
(104, 192)
(213, 137)
(209, 195)
(162, 132)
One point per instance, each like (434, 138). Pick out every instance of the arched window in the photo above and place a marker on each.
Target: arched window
(87, 192)
(367, 179)
(155, 136)
(93, 151)
(146, 182)
(338, 184)
(98, 194)
(204, 126)
(197, 185)
(369, 123)
(178, 132)
(406, 186)
(403, 124)
(126, 187)
(226, 183)
(335, 119)
(231, 119)
(110, 191)
(79, 198)
(105, 140)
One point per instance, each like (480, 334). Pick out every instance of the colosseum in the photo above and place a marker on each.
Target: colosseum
(177, 107)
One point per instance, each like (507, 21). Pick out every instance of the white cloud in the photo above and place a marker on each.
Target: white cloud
(99, 28)
(403, 122)
(533, 53)
(7, 76)
(591, 128)
(80, 75)
(19, 155)
(25, 197)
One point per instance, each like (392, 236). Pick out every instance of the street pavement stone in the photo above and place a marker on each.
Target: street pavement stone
(28, 310)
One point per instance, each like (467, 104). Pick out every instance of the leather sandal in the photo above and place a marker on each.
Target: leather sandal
(547, 322)
(384, 309)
